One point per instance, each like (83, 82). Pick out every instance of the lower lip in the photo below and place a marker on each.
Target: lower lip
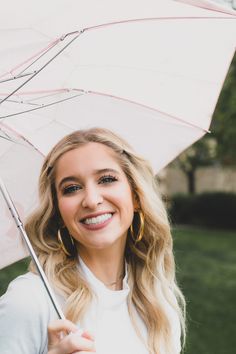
(94, 227)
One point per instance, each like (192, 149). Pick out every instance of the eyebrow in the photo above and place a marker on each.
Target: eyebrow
(95, 173)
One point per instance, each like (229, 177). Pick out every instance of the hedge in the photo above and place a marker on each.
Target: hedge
(207, 209)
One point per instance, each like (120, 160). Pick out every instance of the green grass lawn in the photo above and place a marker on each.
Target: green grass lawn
(206, 271)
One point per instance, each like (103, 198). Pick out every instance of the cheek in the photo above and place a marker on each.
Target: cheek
(66, 207)
(124, 199)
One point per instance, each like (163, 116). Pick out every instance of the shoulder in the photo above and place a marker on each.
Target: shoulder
(25, 282)
(26, 295)
(25, 311)
(25, 291)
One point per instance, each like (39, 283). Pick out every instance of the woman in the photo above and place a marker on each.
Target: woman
(102, 235)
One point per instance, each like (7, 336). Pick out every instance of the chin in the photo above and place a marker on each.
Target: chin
(104, 243)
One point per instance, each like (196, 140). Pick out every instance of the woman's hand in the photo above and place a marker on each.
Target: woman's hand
(65, 338)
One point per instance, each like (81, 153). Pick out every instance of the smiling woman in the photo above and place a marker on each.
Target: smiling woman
(102, 236)
(95, 200)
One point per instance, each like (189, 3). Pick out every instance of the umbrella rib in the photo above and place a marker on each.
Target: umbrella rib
(159, 19)
(43, 106)
(49, 46)
(82, 92)
(44, 66)
(16, 133)
(29, 101)
(43, 51)
(54, 43)
(150, 108)
(23, 102)
(79, 32)
(5, 136)
(16, 77)
(46, 50)
(46, 93)
(8, 138)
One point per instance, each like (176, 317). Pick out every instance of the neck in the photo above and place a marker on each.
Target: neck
(107, 265)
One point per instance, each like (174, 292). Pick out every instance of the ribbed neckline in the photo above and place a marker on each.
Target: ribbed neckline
(106, 297)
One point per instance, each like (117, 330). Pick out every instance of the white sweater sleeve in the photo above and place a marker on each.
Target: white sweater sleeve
(25, 312)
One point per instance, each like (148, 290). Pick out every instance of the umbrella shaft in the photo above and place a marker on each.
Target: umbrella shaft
(19, 225)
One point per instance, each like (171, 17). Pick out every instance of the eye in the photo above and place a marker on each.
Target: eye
(107, 179)
(71, 189)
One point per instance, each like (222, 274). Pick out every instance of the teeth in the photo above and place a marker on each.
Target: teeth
(98, 220)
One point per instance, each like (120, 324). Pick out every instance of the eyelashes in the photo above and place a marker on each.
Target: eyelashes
(107, 179)
(73, 188)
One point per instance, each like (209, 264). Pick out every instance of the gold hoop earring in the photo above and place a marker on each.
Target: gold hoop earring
(66, 242)
(139, 229)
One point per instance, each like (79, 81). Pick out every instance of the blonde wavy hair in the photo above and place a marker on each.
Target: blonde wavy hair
(151, 266)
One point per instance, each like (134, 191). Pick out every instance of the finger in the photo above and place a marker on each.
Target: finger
(74, 342)
(59, 328)
(62, 325)
(88, 335)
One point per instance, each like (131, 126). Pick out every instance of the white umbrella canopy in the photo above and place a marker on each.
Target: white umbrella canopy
(19, 168)
(151, 71)
(211, 5)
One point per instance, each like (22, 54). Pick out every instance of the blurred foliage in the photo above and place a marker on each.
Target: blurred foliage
(219, 146)
(216, 210)
(224, 120)
(200, 154)
(9, 273)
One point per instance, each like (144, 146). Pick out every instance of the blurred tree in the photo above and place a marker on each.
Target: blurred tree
(200, 154)
(224, 120)
(220, 145)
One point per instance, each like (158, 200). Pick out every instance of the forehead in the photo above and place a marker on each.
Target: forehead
(87, 158)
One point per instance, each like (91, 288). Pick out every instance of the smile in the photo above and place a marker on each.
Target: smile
(100, 219)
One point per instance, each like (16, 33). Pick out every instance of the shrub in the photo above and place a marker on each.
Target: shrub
(206, 209)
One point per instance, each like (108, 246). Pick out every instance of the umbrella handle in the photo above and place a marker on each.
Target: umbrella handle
(19, 225)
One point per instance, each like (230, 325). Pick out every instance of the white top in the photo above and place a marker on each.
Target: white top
(108, 318)
(26, 310)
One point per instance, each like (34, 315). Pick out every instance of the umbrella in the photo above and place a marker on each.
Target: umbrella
(19, 225)
(150, 71)
(210, 5)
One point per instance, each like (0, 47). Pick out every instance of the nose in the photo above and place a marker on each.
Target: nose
(92, 198)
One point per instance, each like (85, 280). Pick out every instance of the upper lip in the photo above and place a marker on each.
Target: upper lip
(94, 215)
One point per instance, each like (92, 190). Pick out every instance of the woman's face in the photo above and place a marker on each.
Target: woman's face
(94, 196)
